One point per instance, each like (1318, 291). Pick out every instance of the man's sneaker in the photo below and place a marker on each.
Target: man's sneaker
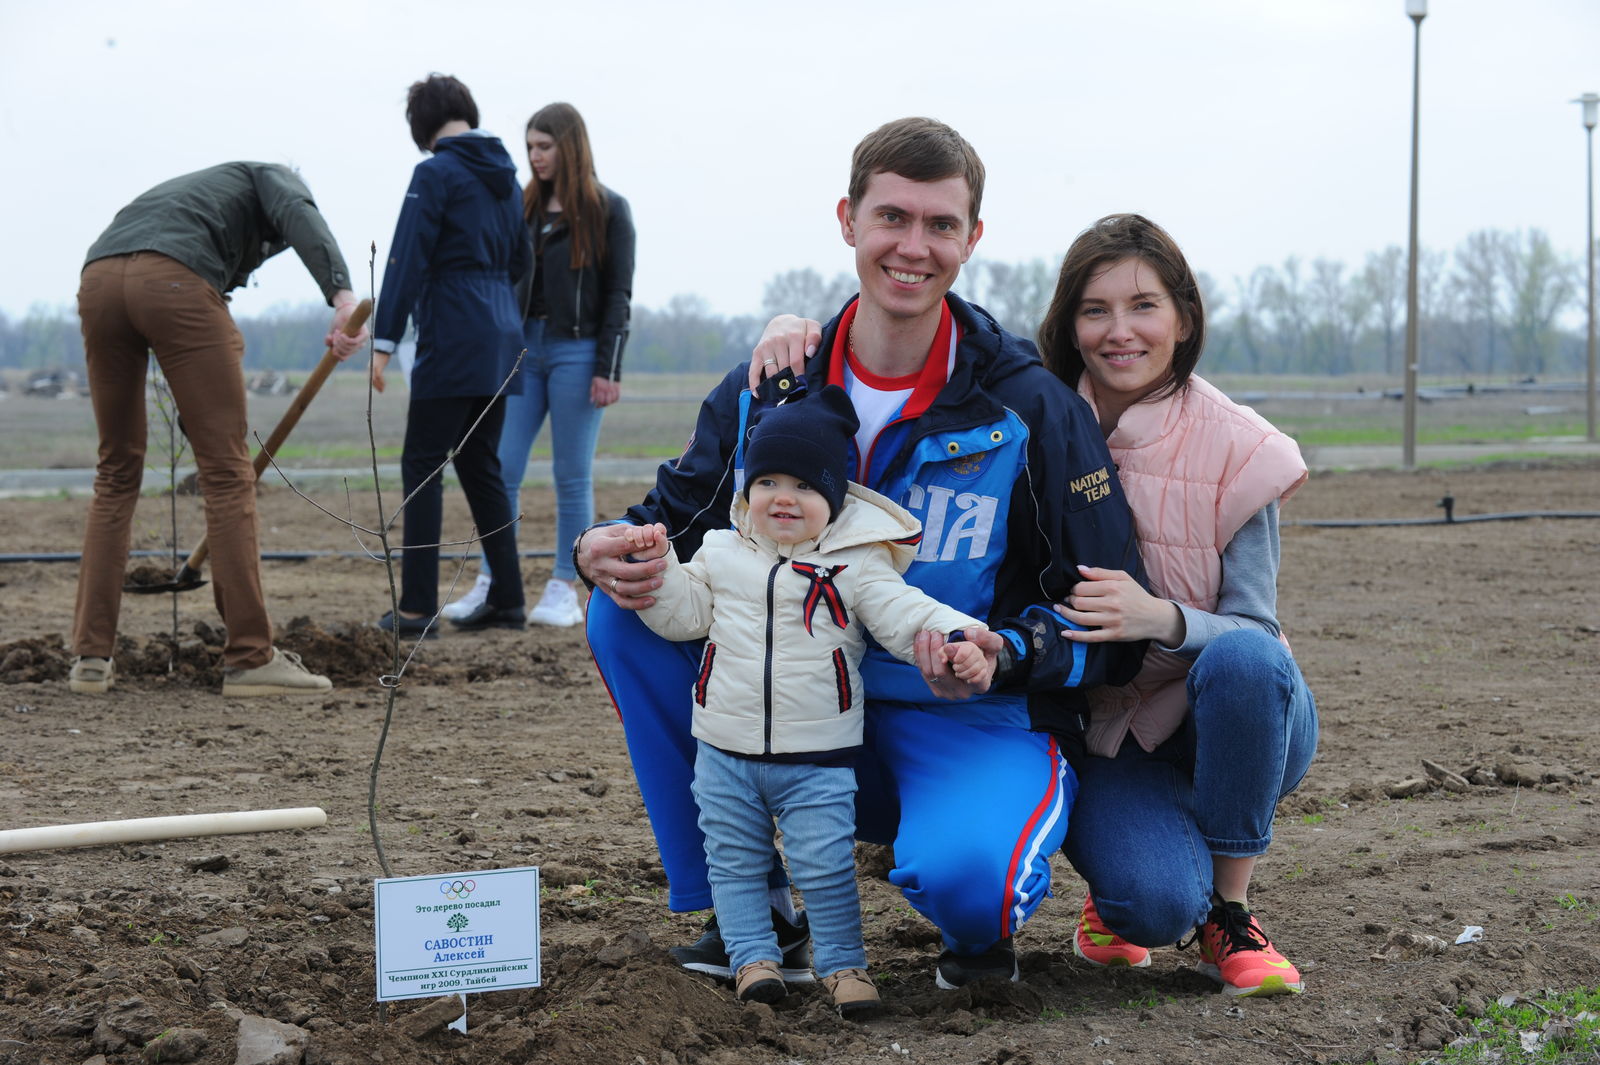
(709, 955)
(853, 992)
(558, 606)
(958, 970)
(475, 597)
(1099, 945)
(283, 675)
(91, 676)
(760, 981)
(1235, 952)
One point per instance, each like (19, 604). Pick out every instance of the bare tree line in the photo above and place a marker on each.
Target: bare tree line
(1500, 305)
(1494, 307)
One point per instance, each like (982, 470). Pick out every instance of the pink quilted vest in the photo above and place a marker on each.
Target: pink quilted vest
(1195, 466)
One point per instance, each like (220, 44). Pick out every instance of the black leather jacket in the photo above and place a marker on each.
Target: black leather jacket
(593, 301)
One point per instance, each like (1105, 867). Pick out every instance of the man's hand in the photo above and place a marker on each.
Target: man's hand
(934, 657)
(785, 344)
(344, 305)
(601, 558)
(969, 663)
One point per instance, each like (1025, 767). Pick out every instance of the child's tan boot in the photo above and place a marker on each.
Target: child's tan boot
(760, 981)
(854, 994)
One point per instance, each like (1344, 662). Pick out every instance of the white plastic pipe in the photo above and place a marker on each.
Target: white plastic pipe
(93, 833)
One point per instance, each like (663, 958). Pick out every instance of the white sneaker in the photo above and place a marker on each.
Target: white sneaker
(91, 676)
(558, 606)
(471, 601)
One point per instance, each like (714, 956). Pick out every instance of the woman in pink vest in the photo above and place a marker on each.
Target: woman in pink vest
(1182, 768)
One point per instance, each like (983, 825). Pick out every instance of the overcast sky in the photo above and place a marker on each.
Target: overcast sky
(1252, 129)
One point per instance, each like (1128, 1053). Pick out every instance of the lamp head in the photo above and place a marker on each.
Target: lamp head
(1591, 104)
(1417, 9)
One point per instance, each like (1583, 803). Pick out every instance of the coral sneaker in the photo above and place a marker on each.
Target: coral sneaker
(1099, 945)
(1235, 952)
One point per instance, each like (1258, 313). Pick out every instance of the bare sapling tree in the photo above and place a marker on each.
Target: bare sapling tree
(385, 551)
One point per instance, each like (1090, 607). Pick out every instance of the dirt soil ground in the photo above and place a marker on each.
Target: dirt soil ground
(1473, 646)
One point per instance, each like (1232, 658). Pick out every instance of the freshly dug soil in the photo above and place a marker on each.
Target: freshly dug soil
(1473, 646)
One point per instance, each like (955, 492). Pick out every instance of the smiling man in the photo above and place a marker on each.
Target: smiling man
(961, 425)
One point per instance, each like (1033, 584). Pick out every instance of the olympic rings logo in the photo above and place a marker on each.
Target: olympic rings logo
(457, 889)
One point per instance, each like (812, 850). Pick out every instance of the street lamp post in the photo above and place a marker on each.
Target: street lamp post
(1417, 10)
(1591, 104)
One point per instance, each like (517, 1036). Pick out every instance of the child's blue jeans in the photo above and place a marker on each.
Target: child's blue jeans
(816, 810)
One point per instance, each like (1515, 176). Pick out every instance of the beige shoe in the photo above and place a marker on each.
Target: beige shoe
(854, 993)
(760, 981)
(90, 676)
(283, 675)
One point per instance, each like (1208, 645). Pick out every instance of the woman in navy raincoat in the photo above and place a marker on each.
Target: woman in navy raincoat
(459, 248)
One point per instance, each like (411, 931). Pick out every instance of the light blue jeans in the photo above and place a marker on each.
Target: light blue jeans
(816, 811)
(556, 374)
(1148, 822)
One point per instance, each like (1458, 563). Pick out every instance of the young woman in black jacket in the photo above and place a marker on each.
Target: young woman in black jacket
(575, 309)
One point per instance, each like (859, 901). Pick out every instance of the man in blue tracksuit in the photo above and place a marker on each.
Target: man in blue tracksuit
(1009, 474)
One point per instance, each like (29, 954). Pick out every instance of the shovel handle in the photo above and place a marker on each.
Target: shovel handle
(308, 391)
(290, 419)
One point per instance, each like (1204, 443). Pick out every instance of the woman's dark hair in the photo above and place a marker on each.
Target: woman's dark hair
(1114, 239)
(437, 99)
(573, 183)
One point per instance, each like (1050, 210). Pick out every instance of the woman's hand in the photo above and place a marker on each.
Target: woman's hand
(1116, 608)
(603, 391)
(380, 362)
(601, 558)
(934, 665)
(785, 344)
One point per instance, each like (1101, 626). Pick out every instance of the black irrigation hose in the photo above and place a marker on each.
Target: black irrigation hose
(1449, 505)
(266, 556)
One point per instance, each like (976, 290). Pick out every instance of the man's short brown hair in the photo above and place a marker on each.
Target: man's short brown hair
(918, 149)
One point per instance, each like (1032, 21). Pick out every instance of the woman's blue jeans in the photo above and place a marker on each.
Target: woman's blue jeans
(1147, 823)
(556, 375)
(815, 807)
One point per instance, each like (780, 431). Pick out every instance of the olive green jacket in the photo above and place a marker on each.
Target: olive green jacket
(226, 220)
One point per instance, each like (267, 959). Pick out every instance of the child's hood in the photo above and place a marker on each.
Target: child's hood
(866, 518)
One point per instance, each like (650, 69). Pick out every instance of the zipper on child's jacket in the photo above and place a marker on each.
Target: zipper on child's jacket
(766, 671)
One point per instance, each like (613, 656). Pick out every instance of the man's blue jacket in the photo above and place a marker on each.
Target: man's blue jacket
(1009, 474)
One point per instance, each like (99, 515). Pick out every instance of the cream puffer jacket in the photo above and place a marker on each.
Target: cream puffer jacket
(780, 670)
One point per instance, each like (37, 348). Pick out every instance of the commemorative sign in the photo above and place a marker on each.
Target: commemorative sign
(456, 933)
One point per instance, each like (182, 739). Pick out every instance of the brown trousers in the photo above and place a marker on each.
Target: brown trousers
(130, 305)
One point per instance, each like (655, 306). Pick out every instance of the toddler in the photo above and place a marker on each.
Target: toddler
(782, 599)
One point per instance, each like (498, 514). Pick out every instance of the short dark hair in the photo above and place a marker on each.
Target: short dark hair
(435, 100)
(1113, 239)
(918, 149)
